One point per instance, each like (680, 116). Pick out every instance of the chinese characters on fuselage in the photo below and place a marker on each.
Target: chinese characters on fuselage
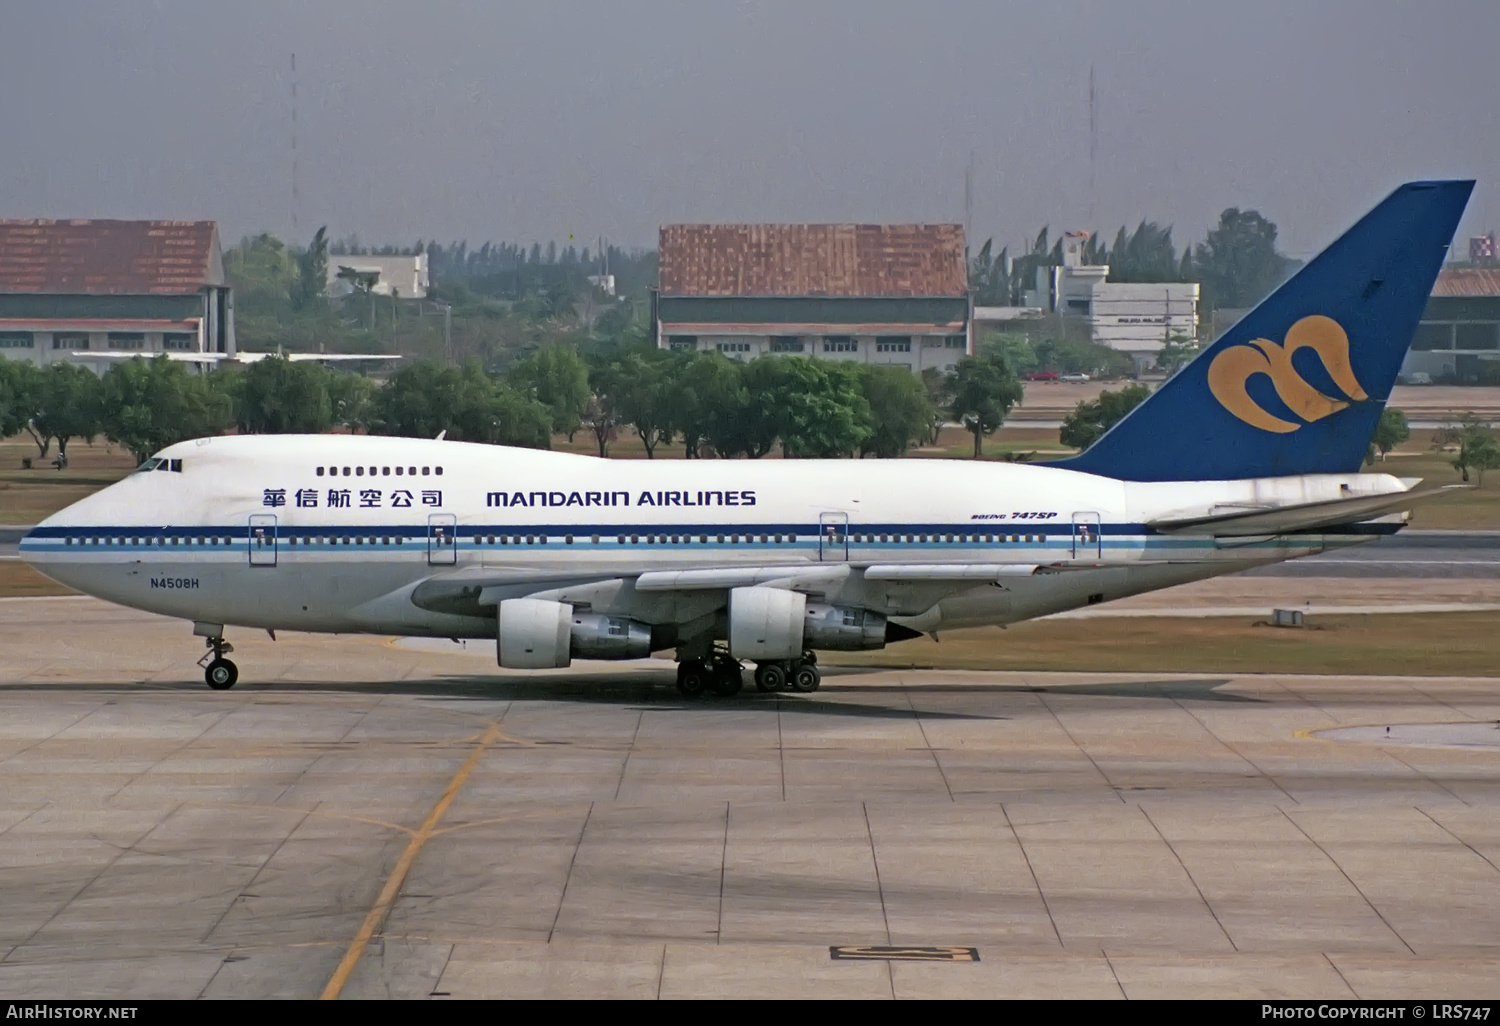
(347, 498)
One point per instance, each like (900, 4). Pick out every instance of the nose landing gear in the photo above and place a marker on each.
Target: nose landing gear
(219, 673)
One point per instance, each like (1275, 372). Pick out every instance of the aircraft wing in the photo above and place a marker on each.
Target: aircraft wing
(1244, 521)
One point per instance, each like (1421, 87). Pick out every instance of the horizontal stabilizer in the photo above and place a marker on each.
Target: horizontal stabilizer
(1302, 517)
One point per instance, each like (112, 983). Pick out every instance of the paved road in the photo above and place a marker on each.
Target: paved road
(376, 821)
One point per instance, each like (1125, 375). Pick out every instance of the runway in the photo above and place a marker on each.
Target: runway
(365, 819)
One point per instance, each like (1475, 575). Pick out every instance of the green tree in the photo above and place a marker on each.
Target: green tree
(939, 388)
(640, 388)
(557, 379)
(1080, 356)
(900, 411)
(1144, 255)
(1017, 351)
(984, 390)
(18, 387)
(1091, 418)
(350, 397)
(1390, 431)
(1178, 351)
(425, 398)
(1477, 448)
(707, 396)
(312, 272)
(277, 396)
(1238, 263)
(150, 404)
(814, 408)
(67, 405)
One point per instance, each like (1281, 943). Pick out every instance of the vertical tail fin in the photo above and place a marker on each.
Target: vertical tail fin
(1297, 385)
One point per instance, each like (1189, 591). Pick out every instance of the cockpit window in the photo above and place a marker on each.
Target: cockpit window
(157, 463)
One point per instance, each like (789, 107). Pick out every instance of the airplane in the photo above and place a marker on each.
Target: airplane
(1249, 455)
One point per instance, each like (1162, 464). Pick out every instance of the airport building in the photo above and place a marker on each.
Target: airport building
(401, 275)
(893, 294)
(1137, 318)
(72, 290)
(1458, 339)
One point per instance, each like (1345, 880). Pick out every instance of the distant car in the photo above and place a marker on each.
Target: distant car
(1074, 377)
(1042, 376)
(1416, 378)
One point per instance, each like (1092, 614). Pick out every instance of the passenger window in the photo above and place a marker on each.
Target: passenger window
(425, 471)
(359, 471)
(411, 471)
(398, 471)
(346, 471)
(568, 538)
(320, 471)
(385, 471)
(439, 471)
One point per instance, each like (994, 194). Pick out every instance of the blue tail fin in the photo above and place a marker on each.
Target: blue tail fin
(1297, 386)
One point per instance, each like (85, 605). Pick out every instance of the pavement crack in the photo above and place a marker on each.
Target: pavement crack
(1082, 751)
(1189, 874)
(930, 750)
(1350, 879)
(569, 877)
(1236, 752)
(1336, 969)
(625, 763)
(1032, 870)
(879, 887)
(723, 864)
(1460, 840)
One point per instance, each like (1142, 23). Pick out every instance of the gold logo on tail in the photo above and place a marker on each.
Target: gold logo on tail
(1232, 369)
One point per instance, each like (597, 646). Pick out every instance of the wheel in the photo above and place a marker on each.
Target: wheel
(728, 678)
(770, 677)
(692, 677)
(806, 678)
(221, 674)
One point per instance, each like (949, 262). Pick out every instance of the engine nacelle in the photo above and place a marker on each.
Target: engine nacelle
(595, 636)
(843, 629)
(766, 623)
(533, 634)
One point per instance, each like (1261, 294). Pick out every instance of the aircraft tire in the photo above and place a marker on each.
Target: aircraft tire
(221, 674)
(770, 677)
(728, 678)
(692, 678)
(806, 678)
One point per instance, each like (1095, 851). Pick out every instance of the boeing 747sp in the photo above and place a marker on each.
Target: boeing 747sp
(1250, 455)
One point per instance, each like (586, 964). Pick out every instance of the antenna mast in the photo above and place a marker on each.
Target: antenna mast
(294, 145)
(1093, 146)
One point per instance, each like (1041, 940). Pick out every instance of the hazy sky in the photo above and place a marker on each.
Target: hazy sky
(536, 121)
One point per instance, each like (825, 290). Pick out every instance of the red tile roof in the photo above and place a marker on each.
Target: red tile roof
(108, 257)
(845, 260)
(1467, 281)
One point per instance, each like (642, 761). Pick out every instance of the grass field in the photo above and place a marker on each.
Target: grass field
(1429, 644)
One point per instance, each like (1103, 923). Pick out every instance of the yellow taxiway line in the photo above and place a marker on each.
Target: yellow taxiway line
(392, 887)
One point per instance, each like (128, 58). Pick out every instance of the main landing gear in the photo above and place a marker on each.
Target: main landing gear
(220, 673)
(722, 674)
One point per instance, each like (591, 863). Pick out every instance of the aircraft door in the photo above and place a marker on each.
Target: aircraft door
(833, 537)
(442, 539)
(1087, 543)
(263, 539)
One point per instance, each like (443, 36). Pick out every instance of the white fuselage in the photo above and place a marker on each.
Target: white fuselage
(342, 533)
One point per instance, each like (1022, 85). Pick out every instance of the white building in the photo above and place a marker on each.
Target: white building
(1130, 317)
(404, 277)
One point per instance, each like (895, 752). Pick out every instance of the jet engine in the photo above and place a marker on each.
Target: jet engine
(538, 634)
(609, 637)
(533, 634)
(843, 629)
(766, 623)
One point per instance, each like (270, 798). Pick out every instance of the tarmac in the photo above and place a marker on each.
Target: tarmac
(360, 818)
